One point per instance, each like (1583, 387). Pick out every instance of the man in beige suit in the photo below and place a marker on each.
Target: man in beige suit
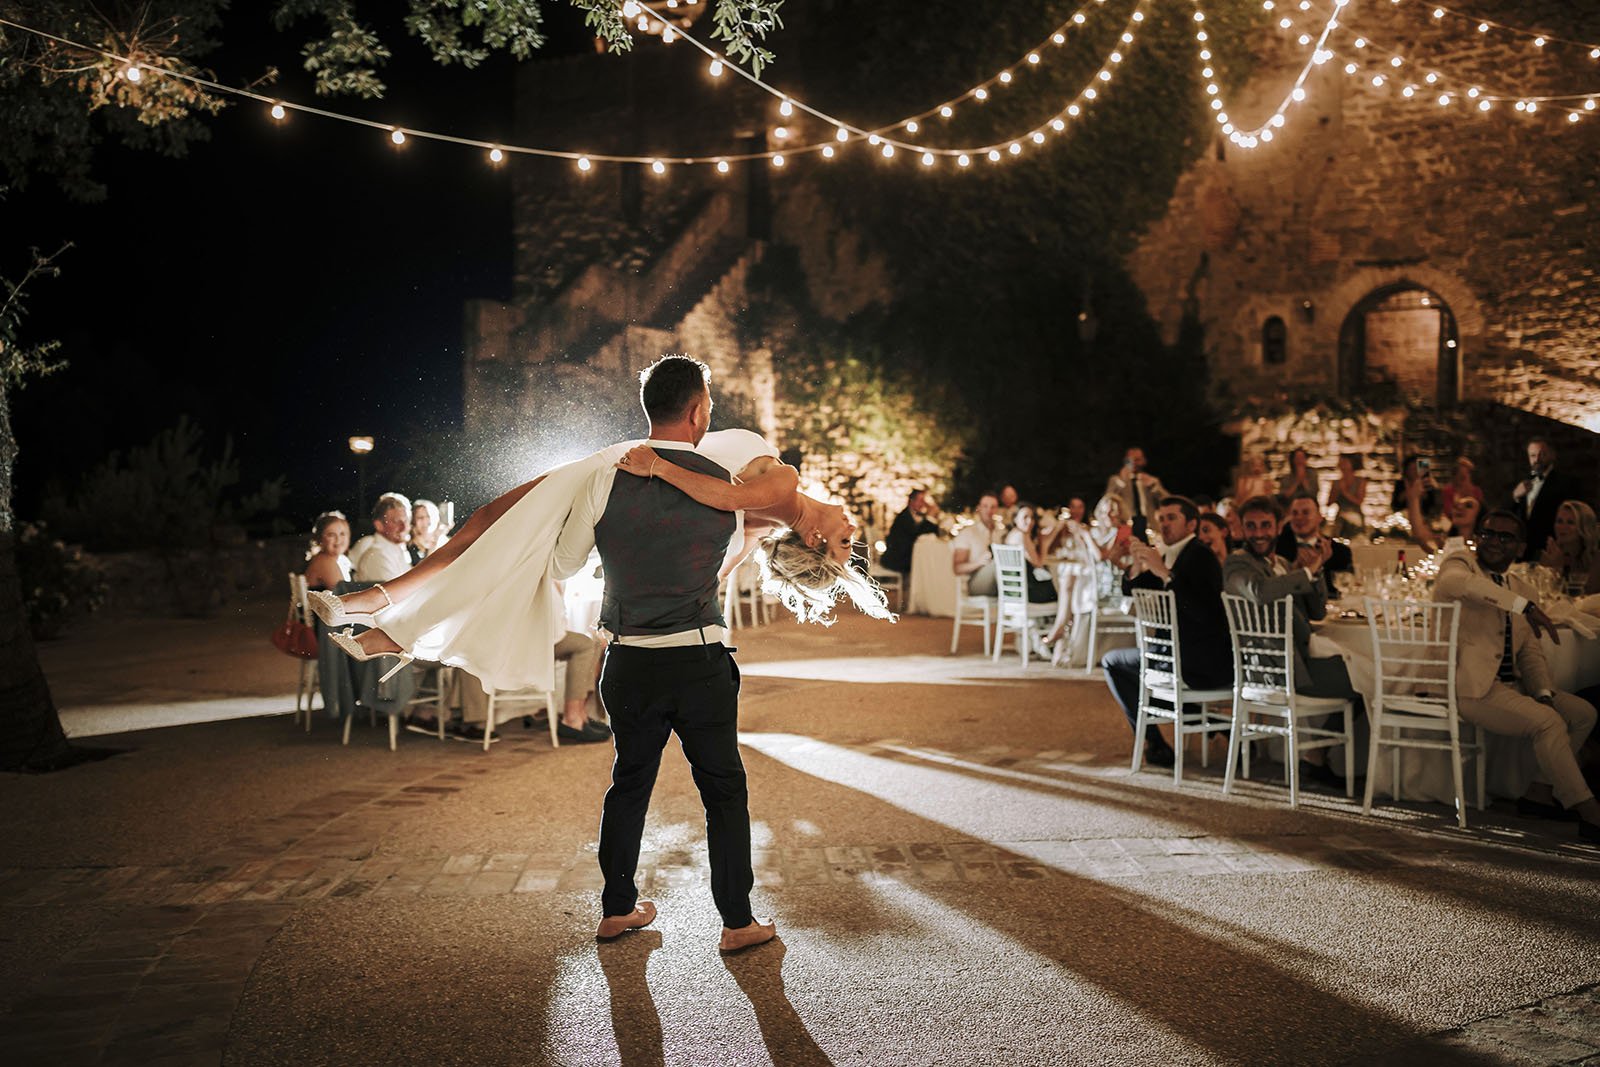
(1503, 683)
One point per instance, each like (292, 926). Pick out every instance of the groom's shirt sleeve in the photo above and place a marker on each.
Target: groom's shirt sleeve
(576, 539)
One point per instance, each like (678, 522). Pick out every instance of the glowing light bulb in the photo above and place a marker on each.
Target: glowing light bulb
(1222, 118)
(1396, 61)
(1299, 93)
(278, 112)
(873, 139)
(1089, 94)
(1079, 19)
(722, 166)
(1205, 53)
(786, 109)
(1305, 39)
(1199, 16)
(584, 164)
(1409, 91)
(780, 132)
(643, 24)
(1014, 148)
(1589, 104)
(397, 137)
(630, 9)
(1037, 137)
(1227, 127)
(888, 151)
(1483, 105)
(962, 160)
(1483, 27)
(1361, 42)
(1202, 36)
(1005, 77)
(1538, 42)
(841, 134)
(927, 159)
(1594, 53)
(1105, 75)
(946, 111)
(981, 94)
(1138, 16)
(668, 35)
(1212, 89)
(777, 161)
(1573, 116)
(1438, 12)
(1444, 99)
(1033, 57)
(1431, 78)
(1284, 24)
(1074, 110)
(1216, 105)
(1533, 105)
(1057, 125)
(133, 73)
(715, 69)
(1474, 92)
(1377, 80)
(827, 151)
(994, 155)
(911, 127)
(1349, 68)
(658, 166)
(1116, 57)
(1278, 121)
(496, 156)
(1058, 38)
(1266, 135)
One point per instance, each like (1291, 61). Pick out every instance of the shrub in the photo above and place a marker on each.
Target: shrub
(59, 583)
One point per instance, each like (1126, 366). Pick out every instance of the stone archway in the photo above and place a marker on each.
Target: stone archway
(1401, 342)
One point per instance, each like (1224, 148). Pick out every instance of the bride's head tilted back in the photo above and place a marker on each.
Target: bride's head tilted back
(808, 568)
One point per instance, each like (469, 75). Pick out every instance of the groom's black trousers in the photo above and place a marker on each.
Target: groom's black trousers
(693, 691)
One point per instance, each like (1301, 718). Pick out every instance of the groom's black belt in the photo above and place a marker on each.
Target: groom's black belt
(673, 654)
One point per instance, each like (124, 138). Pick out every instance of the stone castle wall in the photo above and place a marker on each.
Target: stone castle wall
(1365, 189)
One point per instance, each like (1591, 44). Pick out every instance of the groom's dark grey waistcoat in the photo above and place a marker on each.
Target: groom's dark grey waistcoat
(661, 552)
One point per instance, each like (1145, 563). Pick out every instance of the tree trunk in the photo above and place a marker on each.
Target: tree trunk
(31, 737)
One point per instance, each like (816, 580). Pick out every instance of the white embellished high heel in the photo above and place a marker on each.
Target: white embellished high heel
(352, 648)
(330, 609)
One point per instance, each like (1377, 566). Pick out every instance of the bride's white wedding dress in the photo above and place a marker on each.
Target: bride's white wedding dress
(494, 611)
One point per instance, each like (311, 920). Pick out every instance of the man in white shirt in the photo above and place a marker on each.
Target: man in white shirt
(381, 556)
(971, 552)
(1140, 491)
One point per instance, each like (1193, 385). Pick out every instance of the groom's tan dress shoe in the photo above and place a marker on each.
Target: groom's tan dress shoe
(757, 933)
(614, 926)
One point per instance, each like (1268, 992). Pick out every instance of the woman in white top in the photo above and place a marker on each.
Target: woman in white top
(327, 566)
(484, 619)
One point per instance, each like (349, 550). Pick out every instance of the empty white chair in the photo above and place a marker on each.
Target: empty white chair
(891, 582)
(1107, 618)
(1265, 705)
(971, 610)
(741, 592)
(1161, 678)
(1015, 614)
(504, 704)
(1414, 663)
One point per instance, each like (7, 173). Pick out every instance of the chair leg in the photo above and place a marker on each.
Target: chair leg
(1349, 752)
(1394, 785)
(1479, 757)
(1373, 745)
(1455, 776)
(1094, 640)
(552, 718)
(1235, 738)
(1292, 757)
(988, 624)
(955, 631)
(394, 731)
(349, 716)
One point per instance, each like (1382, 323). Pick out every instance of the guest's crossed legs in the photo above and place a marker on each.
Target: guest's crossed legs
(1557, 733)
(650, 693)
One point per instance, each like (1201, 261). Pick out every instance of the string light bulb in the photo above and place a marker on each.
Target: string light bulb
(722, 166)
(827, 151)
(777, 160)
(888, 150)
(786, 109)
(927, 159)
(584, 164)
(278, 112)
(397, 136)
(715, 69)
(658, 166)
(946, 111)
(133, 73)
(496, 156)
(963, 160)
(841, 134)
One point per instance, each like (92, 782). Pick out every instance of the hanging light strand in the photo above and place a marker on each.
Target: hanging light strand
(1483, 25)
(1251, 137)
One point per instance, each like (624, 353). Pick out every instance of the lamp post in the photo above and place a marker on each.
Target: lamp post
(361, 446)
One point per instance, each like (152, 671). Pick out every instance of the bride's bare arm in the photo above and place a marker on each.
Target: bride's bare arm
(459, 542)
(769, 488)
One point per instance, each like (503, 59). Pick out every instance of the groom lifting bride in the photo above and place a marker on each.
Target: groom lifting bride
(668, 668)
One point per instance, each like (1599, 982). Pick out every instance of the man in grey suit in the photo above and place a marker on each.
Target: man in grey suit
(1503, 681)
(667, 669)
(1257, 573)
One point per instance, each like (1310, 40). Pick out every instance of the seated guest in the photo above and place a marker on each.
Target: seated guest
(1008, 504)
(427, 530)
(1503, 682)
(1041, 590)
(1571, 550)
(1464, 515)
(909, 525)
(1069, 524)
(1257, 573)
(1304, 530)
(1349, 496)
(381, 555)
(1300, 481)
(1190, 570)
(327, 566)
(1139, 491)
(1416, 496)
(1228, 508)
(970, 553)
(1461, 485)
(582, 655)
(1253, 479)
(1212, 530)
(1111, 530)
(1079, 592)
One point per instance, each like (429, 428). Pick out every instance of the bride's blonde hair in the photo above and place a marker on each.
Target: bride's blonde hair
(810, 582)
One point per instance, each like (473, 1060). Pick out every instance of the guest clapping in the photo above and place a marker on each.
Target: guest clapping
(1252, 480)
(1300, 481)
(1571, 550)
(1349, 496)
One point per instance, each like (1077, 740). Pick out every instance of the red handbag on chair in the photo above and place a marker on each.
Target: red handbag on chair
(295, 638)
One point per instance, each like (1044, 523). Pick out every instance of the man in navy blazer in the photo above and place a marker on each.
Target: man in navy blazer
(1190, 570)
(1302, 528)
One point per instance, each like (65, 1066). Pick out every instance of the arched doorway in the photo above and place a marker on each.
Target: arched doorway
(1400, 342)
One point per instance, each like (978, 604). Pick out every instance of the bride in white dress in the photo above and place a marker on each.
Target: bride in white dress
(498, 614)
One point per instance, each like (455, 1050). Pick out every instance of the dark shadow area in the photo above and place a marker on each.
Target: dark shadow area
(73, 756)
(759, 972)
(634, 1018)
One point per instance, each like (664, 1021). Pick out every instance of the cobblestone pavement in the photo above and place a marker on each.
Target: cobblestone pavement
(160, 981)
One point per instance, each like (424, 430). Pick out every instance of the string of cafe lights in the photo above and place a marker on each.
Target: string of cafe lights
(134, 71)
(888, 143)
(1539, 38)
(1253, 137)
(1438, 84)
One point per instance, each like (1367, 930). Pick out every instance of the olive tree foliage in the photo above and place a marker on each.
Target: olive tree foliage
(58, 101)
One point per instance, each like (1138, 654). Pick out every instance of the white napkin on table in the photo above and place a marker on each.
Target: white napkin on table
(1571, 616)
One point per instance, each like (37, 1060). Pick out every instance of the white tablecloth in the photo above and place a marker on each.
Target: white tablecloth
(1574, 665)
(933, 583)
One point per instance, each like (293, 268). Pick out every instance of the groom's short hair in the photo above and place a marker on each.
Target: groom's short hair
(669, 385)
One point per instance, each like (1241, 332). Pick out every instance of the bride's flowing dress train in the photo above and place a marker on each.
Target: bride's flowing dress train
(494, 611)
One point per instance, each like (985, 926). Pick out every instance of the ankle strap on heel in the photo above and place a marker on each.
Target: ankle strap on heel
(388, 602)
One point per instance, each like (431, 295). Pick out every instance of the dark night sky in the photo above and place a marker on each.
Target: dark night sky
(288, 285)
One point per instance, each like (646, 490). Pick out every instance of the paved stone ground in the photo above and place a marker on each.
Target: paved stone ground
(962, 868)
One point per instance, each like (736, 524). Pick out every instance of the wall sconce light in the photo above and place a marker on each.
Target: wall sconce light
(1308, 311)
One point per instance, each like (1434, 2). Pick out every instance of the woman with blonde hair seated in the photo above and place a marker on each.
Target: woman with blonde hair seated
(1572, 549)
